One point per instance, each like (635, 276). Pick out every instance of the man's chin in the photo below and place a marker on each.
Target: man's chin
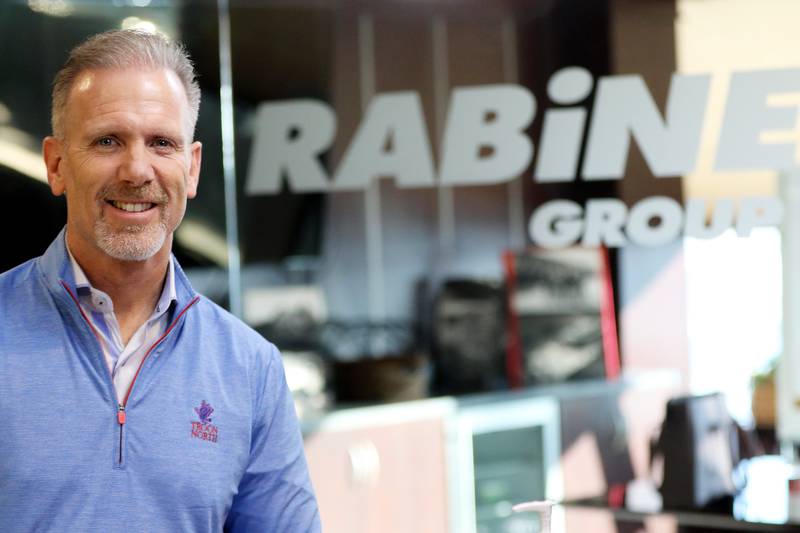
(131, 246)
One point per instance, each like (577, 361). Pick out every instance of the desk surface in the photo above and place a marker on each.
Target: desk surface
(763, 505)
(580, 518)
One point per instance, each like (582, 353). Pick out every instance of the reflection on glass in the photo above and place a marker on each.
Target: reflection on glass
(509, 468)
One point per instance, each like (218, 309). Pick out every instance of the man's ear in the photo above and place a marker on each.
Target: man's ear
(51, 148)
(195, 157)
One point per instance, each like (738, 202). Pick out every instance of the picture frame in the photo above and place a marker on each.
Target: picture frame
(561, 320)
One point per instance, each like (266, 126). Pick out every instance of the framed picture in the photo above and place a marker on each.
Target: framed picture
(561, 319)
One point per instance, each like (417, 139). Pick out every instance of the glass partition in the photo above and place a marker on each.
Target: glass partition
(389, 154)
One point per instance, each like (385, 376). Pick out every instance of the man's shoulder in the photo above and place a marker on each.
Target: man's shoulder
(22, 296)
(17, 277)
(215, 320)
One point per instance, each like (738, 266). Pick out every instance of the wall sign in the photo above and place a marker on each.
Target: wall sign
(392, 140)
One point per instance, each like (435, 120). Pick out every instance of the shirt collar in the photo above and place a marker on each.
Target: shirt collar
(81, 281)
(168, 294)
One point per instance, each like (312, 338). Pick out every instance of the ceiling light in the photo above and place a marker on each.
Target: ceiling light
(203, 240)
(54, 8)
(23, 160)
(135, 23)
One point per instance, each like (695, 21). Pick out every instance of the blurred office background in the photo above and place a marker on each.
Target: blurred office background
(431, 397)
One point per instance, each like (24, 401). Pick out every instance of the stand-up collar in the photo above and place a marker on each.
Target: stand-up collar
(57, 269)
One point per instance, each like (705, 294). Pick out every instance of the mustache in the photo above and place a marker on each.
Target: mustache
(149, 192)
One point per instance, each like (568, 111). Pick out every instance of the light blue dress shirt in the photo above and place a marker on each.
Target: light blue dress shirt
(122, 359)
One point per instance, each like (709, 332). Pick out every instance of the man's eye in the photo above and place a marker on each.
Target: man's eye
(105, 141)
(163, 143)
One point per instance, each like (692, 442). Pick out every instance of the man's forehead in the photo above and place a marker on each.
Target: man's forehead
(153, 78)
(95, 89)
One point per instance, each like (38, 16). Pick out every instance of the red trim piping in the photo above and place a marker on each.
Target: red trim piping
(75, 299)
(146, 355)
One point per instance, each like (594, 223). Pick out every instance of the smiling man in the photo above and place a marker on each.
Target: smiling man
(129, 402)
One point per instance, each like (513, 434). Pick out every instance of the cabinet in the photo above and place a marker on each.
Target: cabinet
(435, 466)
(456, 465)
(507, 453)
(382, 469)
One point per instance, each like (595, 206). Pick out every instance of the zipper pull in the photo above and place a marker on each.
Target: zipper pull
(121, 415)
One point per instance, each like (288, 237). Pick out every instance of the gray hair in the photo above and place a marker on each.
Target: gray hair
(120, 49)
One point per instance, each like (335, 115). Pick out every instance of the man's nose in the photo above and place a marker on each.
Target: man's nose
(136, 167)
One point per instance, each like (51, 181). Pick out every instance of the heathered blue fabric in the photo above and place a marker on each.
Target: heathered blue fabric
(60, 440)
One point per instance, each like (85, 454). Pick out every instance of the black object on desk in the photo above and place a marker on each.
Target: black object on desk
(700, 448)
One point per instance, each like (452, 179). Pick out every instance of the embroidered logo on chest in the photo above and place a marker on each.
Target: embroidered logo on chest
(204, 429)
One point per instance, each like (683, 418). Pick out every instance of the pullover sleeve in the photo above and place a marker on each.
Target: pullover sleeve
(275, 493)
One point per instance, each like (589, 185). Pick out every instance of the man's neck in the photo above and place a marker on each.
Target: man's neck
(133, 286)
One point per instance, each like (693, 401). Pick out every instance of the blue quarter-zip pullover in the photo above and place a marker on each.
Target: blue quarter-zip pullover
(206, 441)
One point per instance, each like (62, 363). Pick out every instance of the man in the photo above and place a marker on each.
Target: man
(127, 401)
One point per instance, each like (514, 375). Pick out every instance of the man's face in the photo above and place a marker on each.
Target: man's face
(126, 162)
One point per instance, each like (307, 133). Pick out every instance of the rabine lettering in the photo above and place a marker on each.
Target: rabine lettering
(392, 139)
(651, 222)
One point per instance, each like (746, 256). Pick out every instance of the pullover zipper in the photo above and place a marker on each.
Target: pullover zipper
(121, 420)
(121, 417)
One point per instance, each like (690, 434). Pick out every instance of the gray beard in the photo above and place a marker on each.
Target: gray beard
(132, 243)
